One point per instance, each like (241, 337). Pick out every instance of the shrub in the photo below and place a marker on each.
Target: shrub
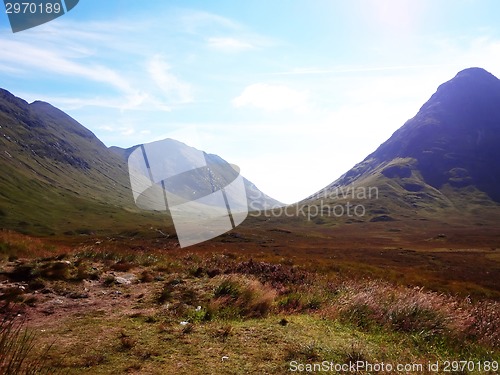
(198, 315)
(277, 275)
(164, 295)
(291, 302)
(239, 297)
(484, 322)
(229, 287)
(375, 304)
(122, 266)
(109, 280)
(61, 270)
(126, 341)
(146, 277)
(401, 309)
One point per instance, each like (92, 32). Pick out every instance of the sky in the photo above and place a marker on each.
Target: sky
(294, 92)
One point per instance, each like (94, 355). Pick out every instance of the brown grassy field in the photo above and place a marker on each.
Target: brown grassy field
(268, 296)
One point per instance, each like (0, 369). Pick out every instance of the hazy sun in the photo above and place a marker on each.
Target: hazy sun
(394, 16)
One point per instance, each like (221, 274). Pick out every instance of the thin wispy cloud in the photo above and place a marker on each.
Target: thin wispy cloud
(228, 44)
(360, 69)
(35, 59)
(195, 21)
(172, 87)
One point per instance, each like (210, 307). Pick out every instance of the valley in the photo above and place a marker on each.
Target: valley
(396, 261)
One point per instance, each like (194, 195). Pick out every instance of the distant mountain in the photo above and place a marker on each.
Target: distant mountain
(56, 176)
(223, 171)
(445, 158)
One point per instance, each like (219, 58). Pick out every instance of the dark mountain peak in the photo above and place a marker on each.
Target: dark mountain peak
(10, 103)
(471, 81)
(472, 91)
(53, 115)
(8, 96)
(39, 105)
(461, 116)
(452, 141)
(475, 73)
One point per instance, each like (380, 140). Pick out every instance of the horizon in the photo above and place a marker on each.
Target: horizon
(243, 82)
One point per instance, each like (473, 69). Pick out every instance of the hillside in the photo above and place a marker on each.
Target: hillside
(442, 163)
(58, 177)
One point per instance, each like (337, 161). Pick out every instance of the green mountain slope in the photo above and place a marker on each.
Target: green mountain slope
(57, 177)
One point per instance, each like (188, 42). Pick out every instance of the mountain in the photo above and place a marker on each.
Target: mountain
(223, 174)
(56, 176)
(445, 159)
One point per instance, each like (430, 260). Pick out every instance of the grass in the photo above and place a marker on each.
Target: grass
(241, 297)
(19, 353)
(250, 346)
(231, 313)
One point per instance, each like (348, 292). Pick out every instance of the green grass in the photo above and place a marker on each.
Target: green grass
(251, 346)
(71, 213)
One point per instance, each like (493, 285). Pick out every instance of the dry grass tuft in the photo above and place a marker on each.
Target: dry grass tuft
(372, 304)
(19, 351)
(241, 297)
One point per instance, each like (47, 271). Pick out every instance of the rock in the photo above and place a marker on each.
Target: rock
(122, 281)
(76, 295)
(125, 279)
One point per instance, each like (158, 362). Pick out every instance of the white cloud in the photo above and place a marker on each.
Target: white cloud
(338, 70)
(127, 132)
(10, 70)
(106, 128)
(51, 61)
(133, 101)
(272, 98)
(172, 87)
(193, 21)
(228, 44)
(72, 51)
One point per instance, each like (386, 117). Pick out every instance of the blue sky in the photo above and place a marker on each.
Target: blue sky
(293, 92)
